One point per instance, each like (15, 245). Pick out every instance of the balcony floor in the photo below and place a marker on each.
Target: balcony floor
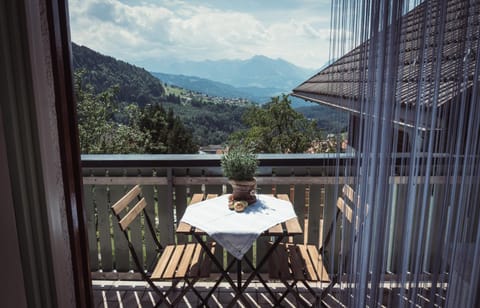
(130, 293)
(109, 294)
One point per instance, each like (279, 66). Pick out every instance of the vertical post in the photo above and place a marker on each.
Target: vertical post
(170, 236)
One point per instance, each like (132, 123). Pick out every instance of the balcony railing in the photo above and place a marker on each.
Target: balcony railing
(168, 181)
(313, 182)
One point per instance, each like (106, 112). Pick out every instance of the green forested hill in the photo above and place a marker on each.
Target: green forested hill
(210, 123)
(210, 119)
(135, 84)
(329, 119)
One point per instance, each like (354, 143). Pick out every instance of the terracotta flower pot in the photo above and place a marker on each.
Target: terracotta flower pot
(244, 190)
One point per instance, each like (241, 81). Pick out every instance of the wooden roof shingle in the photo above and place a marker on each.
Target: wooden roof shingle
(343, 83)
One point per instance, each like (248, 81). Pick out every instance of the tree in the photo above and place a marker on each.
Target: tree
(154, 123)
(165, 133)
(180, 140)
(276, 128)
(106, 126)
(98, 130)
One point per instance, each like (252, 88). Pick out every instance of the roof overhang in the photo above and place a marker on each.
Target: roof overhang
(418, 87)
(405, 117)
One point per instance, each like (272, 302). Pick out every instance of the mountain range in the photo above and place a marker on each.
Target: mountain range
(257, 79)
(138, 86)
(215, 88)
(258, 71)
(210, 119)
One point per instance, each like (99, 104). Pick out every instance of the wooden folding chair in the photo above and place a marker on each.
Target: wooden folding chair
(293, 263)
(185, 262)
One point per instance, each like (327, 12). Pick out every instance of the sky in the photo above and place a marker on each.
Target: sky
(150, 32)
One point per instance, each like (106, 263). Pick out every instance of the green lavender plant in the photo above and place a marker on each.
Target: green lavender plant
(239, 164)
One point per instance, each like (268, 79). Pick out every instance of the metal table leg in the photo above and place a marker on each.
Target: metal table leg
(257, 274)
(224, 274)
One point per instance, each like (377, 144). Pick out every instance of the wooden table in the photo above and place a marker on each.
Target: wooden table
(277, 233)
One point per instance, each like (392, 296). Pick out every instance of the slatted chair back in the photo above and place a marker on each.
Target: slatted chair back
(349, 201)
(184, 262)
(304, 263)
(133, 204)
(345, 205)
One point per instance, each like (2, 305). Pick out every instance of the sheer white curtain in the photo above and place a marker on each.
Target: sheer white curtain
(415, 85)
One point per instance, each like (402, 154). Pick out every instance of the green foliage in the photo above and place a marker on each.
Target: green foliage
(106, 126)
(210, 123)
(98, 130)
(135, 84)
(330, 120)
(209, 119)
(276, 128)
(165, 133)
(239, 164)
(116, 93)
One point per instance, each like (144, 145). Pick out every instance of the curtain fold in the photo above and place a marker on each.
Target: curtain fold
(410, 71)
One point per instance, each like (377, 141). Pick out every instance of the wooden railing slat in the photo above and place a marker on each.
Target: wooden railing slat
(121, 251)
(165, 216)
(103, 218)
(148, 192)
(91, 226)
(315, 212)
(180, 207)
(298, 198)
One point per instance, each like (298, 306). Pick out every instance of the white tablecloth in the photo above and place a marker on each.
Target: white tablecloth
(234, 231)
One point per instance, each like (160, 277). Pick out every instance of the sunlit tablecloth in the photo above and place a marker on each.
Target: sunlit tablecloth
(234, 231)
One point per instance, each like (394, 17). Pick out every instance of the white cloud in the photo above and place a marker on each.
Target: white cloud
(222, 29)
(149, 33)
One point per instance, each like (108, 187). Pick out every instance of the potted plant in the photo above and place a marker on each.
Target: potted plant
(239, 165)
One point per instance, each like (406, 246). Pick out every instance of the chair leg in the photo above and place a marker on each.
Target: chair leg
(172, 287)
(329, 287)
(262, 281)
(301, 300)
(316, 302)
(163, 297)
(212, 290)
(185, 289)
(199, 296)
(289, 287)
(190, 287)
(217, 283)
